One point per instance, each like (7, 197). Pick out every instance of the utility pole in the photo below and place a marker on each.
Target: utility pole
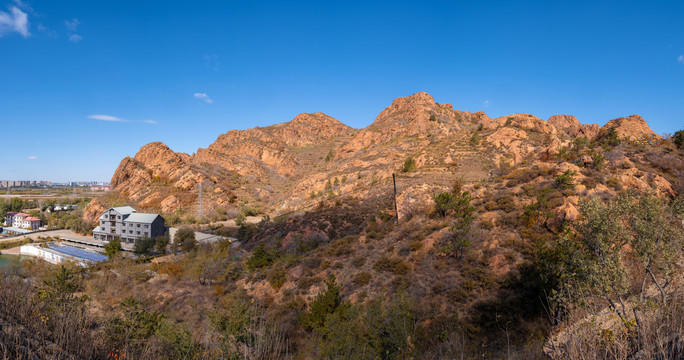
(396, 209)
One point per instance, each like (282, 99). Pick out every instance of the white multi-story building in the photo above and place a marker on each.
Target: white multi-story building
(128, 225)
(22, 220)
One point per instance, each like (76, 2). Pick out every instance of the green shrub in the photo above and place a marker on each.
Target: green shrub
(330, 156)
(456, 201)
(475, 139)
(277, 277)
(185, 238)
(261, 257)
(566, 180)
(614, 183)
(144, 245)
(598, 160)
(322, 306)
(609, 139)
(409, 165)
(678, 139)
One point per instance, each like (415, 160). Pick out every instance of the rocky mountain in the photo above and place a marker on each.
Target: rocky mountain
(295, 165)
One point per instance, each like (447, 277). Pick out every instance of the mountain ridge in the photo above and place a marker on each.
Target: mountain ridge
(287, 166)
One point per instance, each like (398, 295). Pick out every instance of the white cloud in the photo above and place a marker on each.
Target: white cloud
(24, 6)
(111, 118)
(204, 97)
(14, 21)
(72, 24)
(75, 38)
(32, 158)
(681, 59)
(486, 103)
(106, 118)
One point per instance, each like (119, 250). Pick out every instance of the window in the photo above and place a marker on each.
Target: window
(147, 226)
(138, 225)
(138, 232)
(106, 216)
(118, 217)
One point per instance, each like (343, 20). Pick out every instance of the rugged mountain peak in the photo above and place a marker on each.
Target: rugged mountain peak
(418, 106)
(308, 128)
(159, 158)
(633, 127)
(417, 99)
(416, 115)
(564, 122)
(571, 126)
(523, 121)
(480, 116)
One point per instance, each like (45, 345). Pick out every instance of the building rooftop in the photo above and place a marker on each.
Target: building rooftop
(123, 210)
(77, 253)
(141, 218)
(16, 230)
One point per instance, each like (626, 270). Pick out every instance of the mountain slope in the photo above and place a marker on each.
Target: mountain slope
(294, 165)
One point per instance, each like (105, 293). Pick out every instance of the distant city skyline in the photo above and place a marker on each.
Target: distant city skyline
(86, 84)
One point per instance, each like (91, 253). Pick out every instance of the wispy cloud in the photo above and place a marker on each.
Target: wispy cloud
(72, 24)
(32, 157)
(14, 21)
(75, 38)
(106, 118)
(24, 6)
(204, 97)
(680, 59)
(486, 103)
(111, 118)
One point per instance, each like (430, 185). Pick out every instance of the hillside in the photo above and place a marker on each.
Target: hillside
(289, 166)
(499, 223)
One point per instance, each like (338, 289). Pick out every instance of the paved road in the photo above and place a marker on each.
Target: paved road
(53, 233)
(249, 219)
(70, 235)
(200, 237)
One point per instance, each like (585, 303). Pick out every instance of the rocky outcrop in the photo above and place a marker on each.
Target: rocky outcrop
(630, 128)
(306, 129)
(93, 211)
(417, 115)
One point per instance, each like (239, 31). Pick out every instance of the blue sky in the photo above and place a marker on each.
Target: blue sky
(85, 83)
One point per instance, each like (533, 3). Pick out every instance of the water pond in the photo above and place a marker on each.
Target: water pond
(8, 260)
